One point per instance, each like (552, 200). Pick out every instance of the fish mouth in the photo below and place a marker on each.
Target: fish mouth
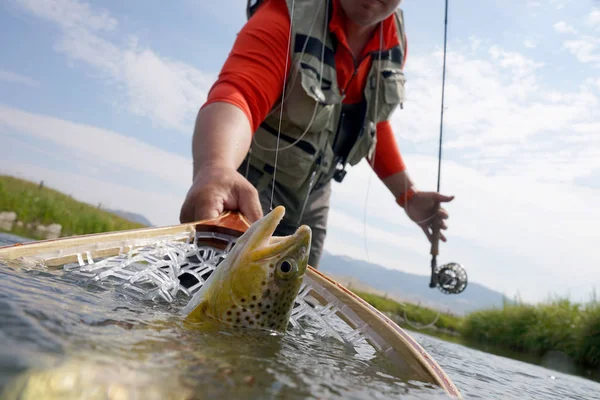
(267, 244)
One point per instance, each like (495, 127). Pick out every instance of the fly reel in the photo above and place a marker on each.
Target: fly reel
(449, 278)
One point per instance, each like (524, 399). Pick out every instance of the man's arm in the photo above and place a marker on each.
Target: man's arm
(248, 85)
(422, 208)
(221, 138)
(389, 165)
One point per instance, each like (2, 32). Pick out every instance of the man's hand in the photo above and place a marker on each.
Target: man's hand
(217, 189)
(423, 208)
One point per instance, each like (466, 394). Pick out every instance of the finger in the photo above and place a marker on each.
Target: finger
(441, 213)
(186, 212)
(442, 237)
(443, 198)
(443, 225)
(249, 203)
(203, 213)
(206, 207)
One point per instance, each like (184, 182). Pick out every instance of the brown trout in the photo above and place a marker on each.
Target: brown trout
(254, 287)
(257, 283)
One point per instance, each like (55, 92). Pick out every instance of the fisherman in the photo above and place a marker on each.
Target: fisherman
(338, 67)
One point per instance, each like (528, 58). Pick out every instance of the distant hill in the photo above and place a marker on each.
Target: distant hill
(402, 286)
(131, 216)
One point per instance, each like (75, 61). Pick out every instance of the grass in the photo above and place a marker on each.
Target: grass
(556, 325)
(534, 330)
(33, 204)
(415, 314)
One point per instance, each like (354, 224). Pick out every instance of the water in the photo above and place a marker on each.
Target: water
(144, 348)
(90, 338)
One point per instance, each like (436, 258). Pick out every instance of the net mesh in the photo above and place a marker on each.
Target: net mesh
(172, 270)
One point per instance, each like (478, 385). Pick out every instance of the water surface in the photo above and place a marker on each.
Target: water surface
(88, 338)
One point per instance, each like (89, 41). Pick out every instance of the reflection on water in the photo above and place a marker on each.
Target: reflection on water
(93, 339)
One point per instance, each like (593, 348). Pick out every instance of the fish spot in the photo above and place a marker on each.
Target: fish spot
(244, 310)
(259, 304)
(264, 313)
(237, 320)
(228, 319)
(238, 313)
(229, 312)
(243, 300)
(257, 316)
(268, 306)
(251, 305)
(254, 298)
(263, 283)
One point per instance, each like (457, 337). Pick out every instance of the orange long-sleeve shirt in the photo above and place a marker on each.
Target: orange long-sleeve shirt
(253, 74)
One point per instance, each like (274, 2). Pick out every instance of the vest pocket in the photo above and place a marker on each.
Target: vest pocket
(393, 86)
(294, 162)
(305, 95)
(364, 144)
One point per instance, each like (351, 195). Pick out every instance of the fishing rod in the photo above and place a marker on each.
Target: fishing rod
(450, 278)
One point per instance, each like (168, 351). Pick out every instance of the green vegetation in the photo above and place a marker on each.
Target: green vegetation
(559, 325)
(42, 205)
(415, 314)
(556, 325)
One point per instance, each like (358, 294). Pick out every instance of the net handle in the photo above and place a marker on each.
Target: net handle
(230, 222)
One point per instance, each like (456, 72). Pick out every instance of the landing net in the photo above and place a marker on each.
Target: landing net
(172, 270)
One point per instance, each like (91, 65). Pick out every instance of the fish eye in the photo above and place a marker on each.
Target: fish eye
(286, 267)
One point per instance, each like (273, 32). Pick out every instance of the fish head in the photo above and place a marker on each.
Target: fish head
(257, 283)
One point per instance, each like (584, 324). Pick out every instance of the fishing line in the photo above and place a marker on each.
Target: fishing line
(287, 57)
(375, 112)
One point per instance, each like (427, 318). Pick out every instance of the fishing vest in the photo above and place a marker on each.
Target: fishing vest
(311, 117)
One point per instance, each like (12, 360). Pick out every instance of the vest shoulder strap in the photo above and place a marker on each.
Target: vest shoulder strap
(251, 7)
(401, 32)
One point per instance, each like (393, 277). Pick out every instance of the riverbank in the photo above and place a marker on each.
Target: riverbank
(560, 334)
(36, 208)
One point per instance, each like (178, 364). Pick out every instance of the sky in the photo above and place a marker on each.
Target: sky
(99, 99)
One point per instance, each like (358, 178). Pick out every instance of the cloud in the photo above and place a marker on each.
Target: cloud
(586, 49)
(95, 159)
(585, 46)
(508, 230)
(11, 77)
(497, 108)
(563, 27)
(529, 43)
(100, 144)
(593, 17)
(167, 92)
